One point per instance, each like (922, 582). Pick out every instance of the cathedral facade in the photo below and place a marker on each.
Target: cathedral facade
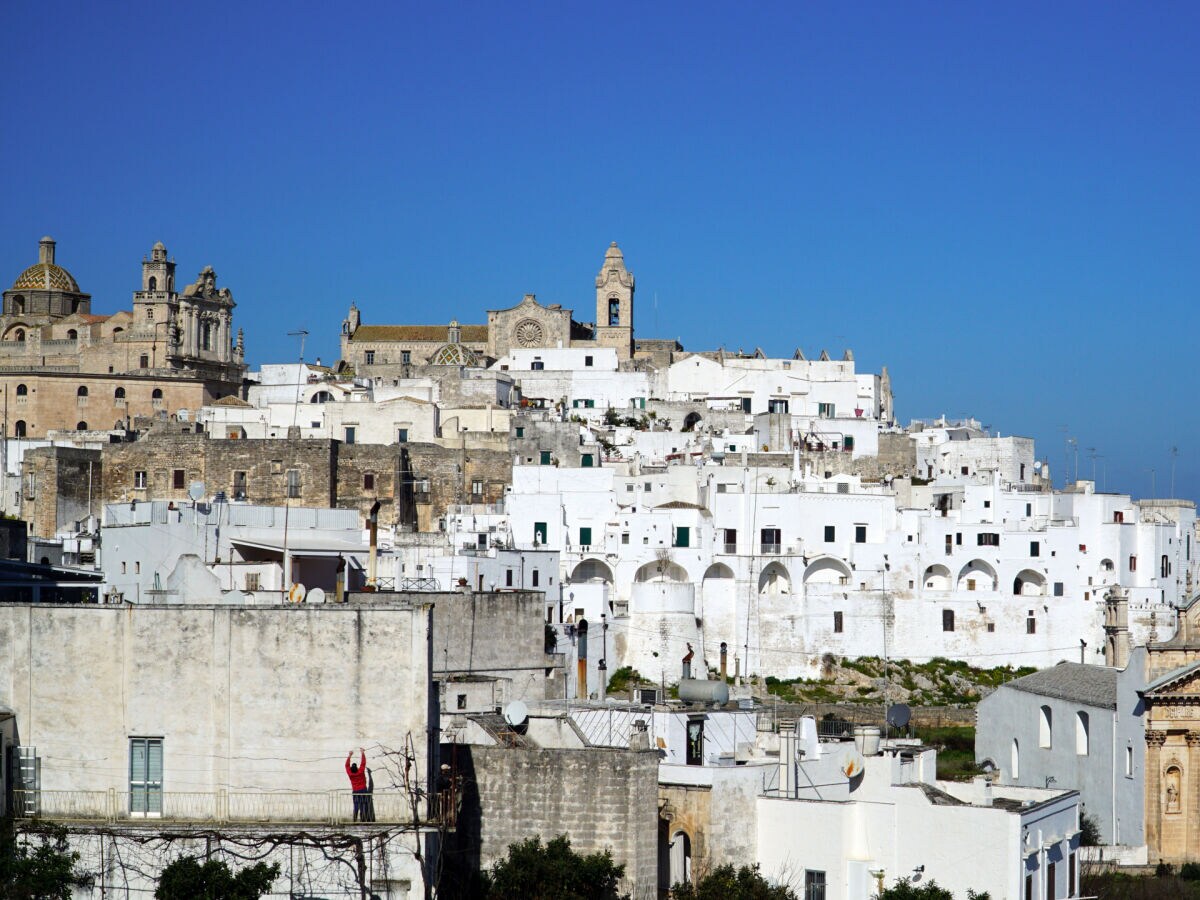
(64, 368)
(529, 324)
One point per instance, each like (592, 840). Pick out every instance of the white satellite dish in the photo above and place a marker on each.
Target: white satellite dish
(196, 490)
(297, 593)
(853, 764)
(516, 714)
(316, 595)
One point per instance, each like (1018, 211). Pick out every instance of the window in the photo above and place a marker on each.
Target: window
(777, 406)
(1029, 886)
(947, 620)
(860, 534)
(1030, 623)
(535, 577)
(520, 431)
(539, 532)
(1165, 567)
(402, 435)
(544, 457)
(695, 742)
(406, 357)
(293, 483)
(587, 360)
(145, 776)
(119, 395)
(253, 581)
(826, 410)
(22, 390)
(239, 485)
(1081, 733)
(837, 621)
(350, 433)
(1118, 517)
(179, 479)
(460, 701)
(587, 460)
(1035, 548)
(1051, 878)
(624, 537)
(848, 443)
(537, 366)
(966, 470)
(1133, 564)
(19, 428)
(1071, 875)
(1058, 589)
(369, 357)
(682, 536)
(988, 539)
(814, 885)
(949, 544)
(81, 426)
(1128, 762)
(1045, 728)
(987, 504)
(772, 540)
(830, 534)
(477, 487)
(958, 538)
(585, 537)
(970, 584)
(1028, 506)
(156, 394)
(368, 481)
(139, 479)
(1014, 761)
(82, 392)
(614, 311)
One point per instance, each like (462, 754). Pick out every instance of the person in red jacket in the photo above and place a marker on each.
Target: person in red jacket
(358, 782)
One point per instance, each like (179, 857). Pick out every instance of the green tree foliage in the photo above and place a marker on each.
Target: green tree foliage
(930, 890)
(38, 865)
(727, 883)
(1089, 830)
(188, 878)
(533, 871)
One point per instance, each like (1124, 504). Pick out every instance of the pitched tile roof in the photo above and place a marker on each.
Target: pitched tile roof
(1167, 678)
(1092, 685)
(476, 334)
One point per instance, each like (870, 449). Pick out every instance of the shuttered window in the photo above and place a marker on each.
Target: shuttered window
(145, 776)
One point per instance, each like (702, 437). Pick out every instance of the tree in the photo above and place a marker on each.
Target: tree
(39, 867)
(532, 871)
(726, 883)
(187, 878)
(1089, 830)
(930, 890)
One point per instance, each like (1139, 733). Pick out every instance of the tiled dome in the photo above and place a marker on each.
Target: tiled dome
(46, 277)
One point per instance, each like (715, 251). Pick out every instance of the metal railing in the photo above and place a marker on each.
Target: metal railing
(771, 549)
(296, 807)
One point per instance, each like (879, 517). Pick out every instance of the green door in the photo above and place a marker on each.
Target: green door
(682, 535)
(585, 537)
(539, 532)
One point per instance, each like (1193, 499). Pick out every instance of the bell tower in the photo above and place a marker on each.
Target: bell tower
(614, 304)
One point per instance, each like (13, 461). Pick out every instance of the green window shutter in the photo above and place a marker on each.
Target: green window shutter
(545, 457)
(682, 535)
(585, 537)
(539, 532)
(586, 461)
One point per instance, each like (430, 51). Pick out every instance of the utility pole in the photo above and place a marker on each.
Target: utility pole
(287, 560)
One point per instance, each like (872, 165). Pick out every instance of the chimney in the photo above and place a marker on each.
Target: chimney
(724, 661)
(687, 662)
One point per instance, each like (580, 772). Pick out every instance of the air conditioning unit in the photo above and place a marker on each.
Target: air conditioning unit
(648, 696)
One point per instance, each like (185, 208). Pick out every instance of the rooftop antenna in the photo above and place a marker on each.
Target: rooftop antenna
(1174, 454)
(287, 560)
(1092, 453)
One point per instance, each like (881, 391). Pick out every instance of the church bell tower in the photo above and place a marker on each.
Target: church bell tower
(614, 304)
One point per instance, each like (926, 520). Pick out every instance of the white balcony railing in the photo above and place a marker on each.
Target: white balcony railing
(292, 807)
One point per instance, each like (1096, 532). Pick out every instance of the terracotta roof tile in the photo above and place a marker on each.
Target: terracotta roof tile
(476, 334)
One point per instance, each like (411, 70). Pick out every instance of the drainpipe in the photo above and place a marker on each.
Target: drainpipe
(603, 665)
(581, 664)
(372, 558)
(724, 660)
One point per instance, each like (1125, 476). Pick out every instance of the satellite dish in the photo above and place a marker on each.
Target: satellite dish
(196, 490)
(853, 764)
(316, 595)
(297, 593)
(516, 714)
(899, 715)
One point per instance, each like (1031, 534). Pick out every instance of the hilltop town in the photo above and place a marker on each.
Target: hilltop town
(545, 575)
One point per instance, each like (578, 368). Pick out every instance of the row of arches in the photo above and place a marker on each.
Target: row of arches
(773, 579)
(82, 391)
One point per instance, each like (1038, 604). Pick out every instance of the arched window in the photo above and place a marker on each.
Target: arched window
(82, 392)
(153, 283)
(72, 335)
(1045, 727)
(614, 311)
(1165, 567)
(321, 397)
(117, 331)
(156, 394)
(81, 426)
(206, 336)
(19, 335)
(19, 428)
(22, 390)
(1014, 762)
(119, 393)
(1081, 733)
(18, 306)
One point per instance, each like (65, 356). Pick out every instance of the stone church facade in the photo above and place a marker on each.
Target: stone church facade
(63, 368)
(529, 324)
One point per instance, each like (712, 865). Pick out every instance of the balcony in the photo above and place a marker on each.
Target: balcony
(730, 548)
(235, 807)
(771, 549)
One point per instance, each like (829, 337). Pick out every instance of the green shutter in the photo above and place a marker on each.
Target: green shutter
(586, 461)
(585, 537)
(545, 457)
(539, 532)
(682, 534)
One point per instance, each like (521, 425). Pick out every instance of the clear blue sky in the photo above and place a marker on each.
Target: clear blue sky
(1000, 203)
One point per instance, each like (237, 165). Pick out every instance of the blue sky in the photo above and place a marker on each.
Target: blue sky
(998, 202)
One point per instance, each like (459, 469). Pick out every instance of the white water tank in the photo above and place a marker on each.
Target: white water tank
(866, 739)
